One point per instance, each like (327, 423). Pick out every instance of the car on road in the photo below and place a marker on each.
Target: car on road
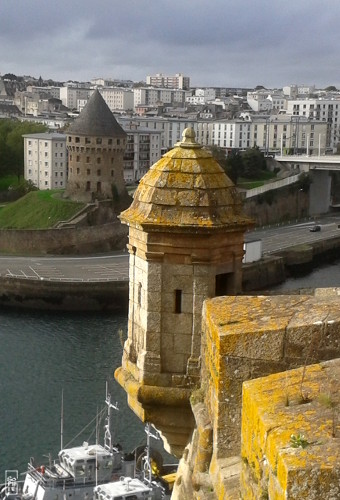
(315, 229)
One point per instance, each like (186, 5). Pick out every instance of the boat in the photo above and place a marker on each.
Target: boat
(74, 474)
(153, 481)
(93, 471)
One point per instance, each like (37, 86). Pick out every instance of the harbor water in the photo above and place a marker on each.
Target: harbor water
(44, 353)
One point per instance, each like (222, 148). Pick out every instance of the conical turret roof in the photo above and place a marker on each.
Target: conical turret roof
(186, 188)
(96, 119)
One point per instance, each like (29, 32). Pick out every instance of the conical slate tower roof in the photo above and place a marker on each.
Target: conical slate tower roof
(186, 188)
(96, 119)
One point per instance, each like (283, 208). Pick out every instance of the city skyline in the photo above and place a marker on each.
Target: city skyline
(236, 44)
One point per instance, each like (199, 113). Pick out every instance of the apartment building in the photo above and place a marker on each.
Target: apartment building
(70, 95)
(154, 96)
(326, 110)
(117, 98)
(170, 128)
(45, 160)
(178, 81)
(50, 90)
(143, 150)
(201, 96)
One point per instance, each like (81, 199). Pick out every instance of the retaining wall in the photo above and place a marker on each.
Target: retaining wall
(62, 241)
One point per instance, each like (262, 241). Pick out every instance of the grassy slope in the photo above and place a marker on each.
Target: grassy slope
(37, 210)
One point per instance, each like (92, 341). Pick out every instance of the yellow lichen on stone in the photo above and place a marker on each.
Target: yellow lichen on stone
(289, 447)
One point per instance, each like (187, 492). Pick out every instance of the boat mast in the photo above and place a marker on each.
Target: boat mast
(107, 436)
(62, 420)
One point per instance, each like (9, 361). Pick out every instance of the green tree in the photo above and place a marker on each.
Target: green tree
(12, 145)
(235, 166)
(253, 163)
(231, 164)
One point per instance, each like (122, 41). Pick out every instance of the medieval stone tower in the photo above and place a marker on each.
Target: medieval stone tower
(96, 145)
(186, 231)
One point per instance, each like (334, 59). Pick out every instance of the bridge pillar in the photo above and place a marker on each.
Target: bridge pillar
(320, 192)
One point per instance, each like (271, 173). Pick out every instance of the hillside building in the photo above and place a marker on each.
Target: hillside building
(45, 160)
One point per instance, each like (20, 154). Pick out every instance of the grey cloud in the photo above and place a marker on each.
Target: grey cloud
(219, 42)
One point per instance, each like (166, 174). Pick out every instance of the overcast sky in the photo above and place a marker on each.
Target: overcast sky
(215, 42)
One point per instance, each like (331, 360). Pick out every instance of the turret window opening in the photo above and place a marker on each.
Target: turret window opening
(224, 284)
(178, 301)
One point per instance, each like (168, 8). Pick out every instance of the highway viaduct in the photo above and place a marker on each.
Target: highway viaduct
(319, 167)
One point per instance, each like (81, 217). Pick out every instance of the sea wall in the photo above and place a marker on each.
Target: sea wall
(65, 296)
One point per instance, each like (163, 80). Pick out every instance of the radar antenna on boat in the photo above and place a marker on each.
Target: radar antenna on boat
(107, 435)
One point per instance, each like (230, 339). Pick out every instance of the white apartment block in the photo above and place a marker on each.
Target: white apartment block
(169, 82)
(45, 160)
(201, 96)
(117, 98)
(143, 150)
(271, 134)
(259, 101)
(294, 91)
(158, 96)
(71, 95)
(326, 110)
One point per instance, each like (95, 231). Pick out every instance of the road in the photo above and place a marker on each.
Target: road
(114, 267)
(277, 238)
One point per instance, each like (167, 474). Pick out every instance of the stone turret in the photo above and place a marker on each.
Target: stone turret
(96, 144)
(186, 231)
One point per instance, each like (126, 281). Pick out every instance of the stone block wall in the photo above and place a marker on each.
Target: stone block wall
(249, 337)
(82, 240)
(291, 435)
(244, 338)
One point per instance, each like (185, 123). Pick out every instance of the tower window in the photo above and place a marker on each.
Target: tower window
(88, 186)
(178, 301)
(139, 298)
(99, 172)
(98, 140)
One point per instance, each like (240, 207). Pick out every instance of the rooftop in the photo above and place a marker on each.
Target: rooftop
(186, 188)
